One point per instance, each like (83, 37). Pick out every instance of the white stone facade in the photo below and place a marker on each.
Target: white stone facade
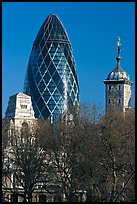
(127, 96)
(118, 94)
(20, 110)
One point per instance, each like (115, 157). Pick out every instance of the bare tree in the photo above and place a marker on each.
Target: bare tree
(28, 162)
(87, 153)
(119, 141)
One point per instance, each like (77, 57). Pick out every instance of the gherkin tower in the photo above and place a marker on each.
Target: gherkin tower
(51, 77)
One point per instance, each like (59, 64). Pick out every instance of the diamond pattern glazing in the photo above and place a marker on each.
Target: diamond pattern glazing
(51, 77)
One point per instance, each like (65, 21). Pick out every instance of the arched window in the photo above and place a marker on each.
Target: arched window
(24, 124)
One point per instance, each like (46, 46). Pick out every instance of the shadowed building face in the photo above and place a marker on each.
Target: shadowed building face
(51, 77)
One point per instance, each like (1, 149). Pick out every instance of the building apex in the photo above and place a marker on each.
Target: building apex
(118, 58)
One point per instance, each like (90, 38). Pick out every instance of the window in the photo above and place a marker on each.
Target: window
(109, 100)
(109, 88)
(24, 124)
(14, 198)
(42, 198)
(119, 100)
(119, 87)
(23, 106)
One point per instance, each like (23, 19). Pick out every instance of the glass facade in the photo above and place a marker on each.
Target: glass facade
(51, 77)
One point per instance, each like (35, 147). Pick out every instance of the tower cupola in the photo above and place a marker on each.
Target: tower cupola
(118, 73)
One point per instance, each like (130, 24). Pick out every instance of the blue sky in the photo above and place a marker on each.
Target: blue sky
(92, 27)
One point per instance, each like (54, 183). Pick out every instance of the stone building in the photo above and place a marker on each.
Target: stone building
(19, 114)
(20, 110)
(118, 86)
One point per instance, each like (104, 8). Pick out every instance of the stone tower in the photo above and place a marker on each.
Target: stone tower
(20, 110)
(118, 86)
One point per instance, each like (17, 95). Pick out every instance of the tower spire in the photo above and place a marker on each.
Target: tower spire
(118, 58)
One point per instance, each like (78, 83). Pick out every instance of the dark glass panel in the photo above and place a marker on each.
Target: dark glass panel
(56, 77)
(36, 95)
(41, 86)
(50, 27)
(46, 95)
(56, 58)
(76, 78)
(37, 77)
(43, 68)
(56, 61)
(51, 69)
(62, 46)
(75, 88)
(73, 70)
(32, 85)
(48, 44)
(56, 97)
(30, 75)
(42, 43)
(31, 80)
(55, 45)
(60, 87)
(59, 53)
(51, 88)
(35, 69)
(39, 60)
(51, 55)
(71, 79)
(52, 83)
(60, 66)
(70, 62)
(51, 101)
(72, 96)
(47, 60)
(47, 77)
(33, 62)
(36, 111)
(44, 51)
(61, 103)
(33, 57)
(46, 35)
(66, 52)
(69, 86)
(36, 43)
(51, 104)
(40, 104)
(63, 62)
(60, 72)
(56, 110)
(78, 97)
(52, 50)
(45, 113)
